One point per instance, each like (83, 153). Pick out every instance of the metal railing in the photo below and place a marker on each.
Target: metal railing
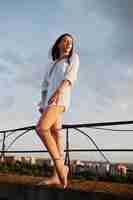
(77, 127)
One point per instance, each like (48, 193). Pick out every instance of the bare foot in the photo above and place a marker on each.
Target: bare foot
(62, 171)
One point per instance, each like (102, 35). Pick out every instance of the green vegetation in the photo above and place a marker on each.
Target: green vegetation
(25, 169)
(86, 175)
(119, 179)
(21, 168)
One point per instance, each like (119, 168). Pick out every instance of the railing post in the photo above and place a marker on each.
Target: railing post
(67, 156)
(3, 147)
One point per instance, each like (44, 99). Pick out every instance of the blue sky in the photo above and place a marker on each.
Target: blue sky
(103, 92)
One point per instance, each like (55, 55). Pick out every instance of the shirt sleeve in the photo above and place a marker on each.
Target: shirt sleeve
(46, 81)
(72, 69)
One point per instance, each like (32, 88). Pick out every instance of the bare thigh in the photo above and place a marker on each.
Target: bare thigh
(58, 124)
(51, 117)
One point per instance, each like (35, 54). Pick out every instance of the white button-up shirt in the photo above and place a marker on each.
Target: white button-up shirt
(55, 74)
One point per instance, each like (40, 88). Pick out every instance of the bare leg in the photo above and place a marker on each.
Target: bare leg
(47, 119)
(58, 135)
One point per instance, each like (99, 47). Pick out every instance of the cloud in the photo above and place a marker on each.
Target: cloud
(6, 102)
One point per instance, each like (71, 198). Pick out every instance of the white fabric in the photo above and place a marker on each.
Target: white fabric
(60, 71)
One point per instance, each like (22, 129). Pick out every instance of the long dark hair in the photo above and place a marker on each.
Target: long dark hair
(55, 49)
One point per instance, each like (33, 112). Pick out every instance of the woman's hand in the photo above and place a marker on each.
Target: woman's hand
(54, 98)
(41, 110)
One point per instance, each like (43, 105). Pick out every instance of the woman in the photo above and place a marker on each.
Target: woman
(56, 91)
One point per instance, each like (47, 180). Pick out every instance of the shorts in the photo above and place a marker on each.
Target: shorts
(54, 104)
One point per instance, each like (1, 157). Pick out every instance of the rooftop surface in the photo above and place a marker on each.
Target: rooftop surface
(95, 186)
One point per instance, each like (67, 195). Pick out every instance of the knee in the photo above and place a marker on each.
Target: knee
(57, 131)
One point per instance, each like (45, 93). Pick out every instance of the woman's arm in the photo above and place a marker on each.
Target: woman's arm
(65, 83)
(69, 77)
(43, 94)
(43, 99)
(72, 70)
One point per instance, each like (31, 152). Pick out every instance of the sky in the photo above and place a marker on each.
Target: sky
(103, 32)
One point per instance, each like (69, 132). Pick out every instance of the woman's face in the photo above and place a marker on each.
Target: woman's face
(65, 44)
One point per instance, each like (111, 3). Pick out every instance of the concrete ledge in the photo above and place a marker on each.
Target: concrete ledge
(24, 192)
(14, 187)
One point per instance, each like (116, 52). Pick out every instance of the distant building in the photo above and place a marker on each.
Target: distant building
(17, 158)
(113, 170)
(41, 161)
(97, 168)
(107, 169)
(26, 159)
(77, 166)
(33, 160)
(8, 160)
(121, 169)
